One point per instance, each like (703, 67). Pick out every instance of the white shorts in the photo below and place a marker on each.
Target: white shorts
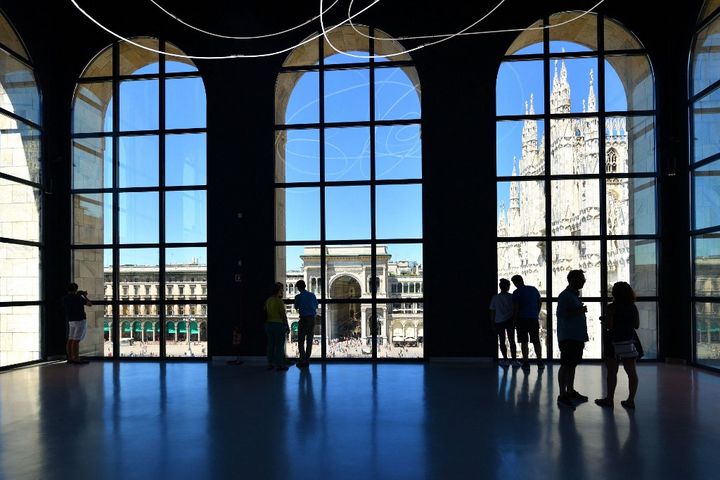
(77, 330)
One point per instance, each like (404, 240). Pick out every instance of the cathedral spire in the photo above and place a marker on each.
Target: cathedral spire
(560, 95)
(591, 95)
(514, 196)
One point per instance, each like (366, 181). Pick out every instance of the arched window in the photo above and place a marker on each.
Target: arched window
(139, 185)
(704, 89)
(348, 174)
(21, 202)
(576, 131)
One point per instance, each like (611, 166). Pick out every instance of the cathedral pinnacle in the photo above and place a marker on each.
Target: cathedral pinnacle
(591, 94)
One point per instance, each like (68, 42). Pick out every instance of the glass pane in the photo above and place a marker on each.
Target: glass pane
(575, 207)
(92, 163)
(706, 191)
(398, 152)
(137, 61)
(520, 148)
(19, 335)
(186, 333)
(527, 259)
(92, 270)
(347, 213)
(9, 38)
(634, 262)
(92, 219)
(630, 144)
(297, 98)
(139, 221)
(20, 207)
(573, 32)
(402, 330)
(107, 330)
(139, 281)
(19, 149)
(629, 83)
(139, 166)
(617, 37)
(139, 331)
(348, 330)
(398, 211)
(631, 206)
(573, 88)
(397, 93)
(186, 216)
(347, 154)
(706, 125)
(177, 64)
(400, 269)
(347, 95)
(576, 255)
(186, 273)
(706, 253)
(519, 88)
(521, 209)
(185, 103)
(291, 344)
(92, 108)
(347, 270)
(139, 105)
(574, 149)
(706, 60)
(186, 159)
(543, 320)
(297, 156)
(593, 347)
(20, 93)
(648, 328)
(298, 262)
(101, 65)
(139, 274)
(297, 214)
(20, 267)
(707, 333)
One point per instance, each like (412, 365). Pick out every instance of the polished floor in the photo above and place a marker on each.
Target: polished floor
(350, 421)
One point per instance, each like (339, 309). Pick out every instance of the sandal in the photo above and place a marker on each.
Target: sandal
(630, 404)
(604, 402)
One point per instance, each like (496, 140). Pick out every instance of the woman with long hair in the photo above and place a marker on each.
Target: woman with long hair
(620, 323)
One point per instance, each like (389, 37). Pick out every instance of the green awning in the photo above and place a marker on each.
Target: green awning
(294, 327)
(193, 328)
(148, 327)
(170, 327)
(126, 327)
(182, 327)
(138, 327)
(106, 326)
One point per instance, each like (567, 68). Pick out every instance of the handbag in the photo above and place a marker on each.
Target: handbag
(625, 349)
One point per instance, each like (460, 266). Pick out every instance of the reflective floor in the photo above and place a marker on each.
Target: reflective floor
(340, 421)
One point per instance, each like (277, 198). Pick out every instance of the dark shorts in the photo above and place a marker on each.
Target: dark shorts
(501, 328)
(527, 327)
(571, 352)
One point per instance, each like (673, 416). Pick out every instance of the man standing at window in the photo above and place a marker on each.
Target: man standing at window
(306, 304)
(74, 306)
(572, 335)
(526, 318)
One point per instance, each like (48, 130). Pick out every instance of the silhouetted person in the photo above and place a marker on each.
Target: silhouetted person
(572, 335)
(526, 318)
(276, 327)
(306, 304)
(501, 321)
(620, 323)
(74, 306)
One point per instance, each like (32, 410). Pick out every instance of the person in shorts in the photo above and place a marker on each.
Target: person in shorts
(572, 335)
(526, 318)
(74, 307)
(501, 321)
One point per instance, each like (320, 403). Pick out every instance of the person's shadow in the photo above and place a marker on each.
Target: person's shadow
(306, 403)
(571, 460)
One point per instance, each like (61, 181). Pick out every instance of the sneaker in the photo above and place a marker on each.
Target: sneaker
(564, 400)
(629, 404)
(604, 402)
(577, 396)
(541, 365)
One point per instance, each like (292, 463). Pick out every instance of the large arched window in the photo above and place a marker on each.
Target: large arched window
(705, 184)
(139, 196)
(576, 174)
(348, 185)
(20, 202)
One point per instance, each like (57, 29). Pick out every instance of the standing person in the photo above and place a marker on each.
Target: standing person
(572, 335)
(275, 327)
(620, 324)
(501, 321)
(526, 318)
(306, 304)
(74, 306)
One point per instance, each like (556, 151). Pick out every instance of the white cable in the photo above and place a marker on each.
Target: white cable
(230, 37)
(219, 57)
